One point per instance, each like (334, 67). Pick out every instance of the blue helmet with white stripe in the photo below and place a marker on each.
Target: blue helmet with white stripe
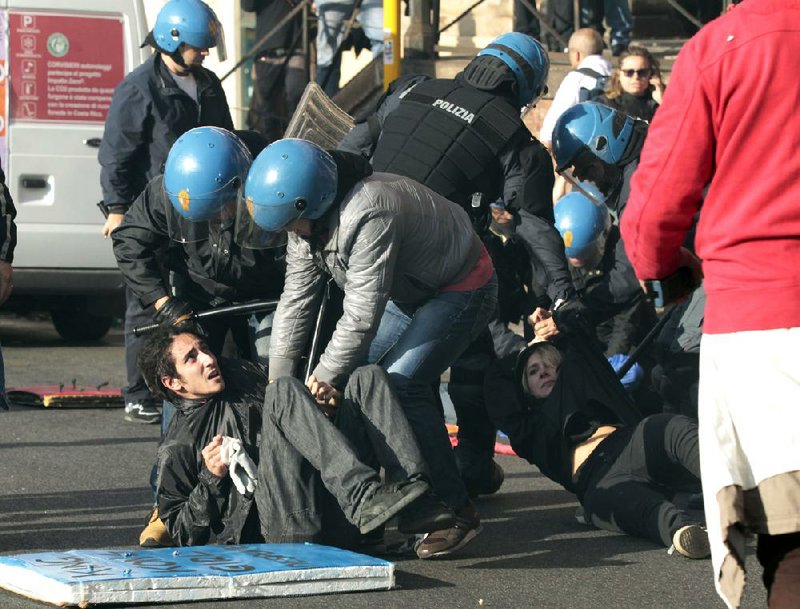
(528, 61)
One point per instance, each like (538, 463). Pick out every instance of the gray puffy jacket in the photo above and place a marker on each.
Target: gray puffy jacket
(390, 238)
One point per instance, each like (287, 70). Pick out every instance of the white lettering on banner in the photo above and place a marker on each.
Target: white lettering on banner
(456, 111)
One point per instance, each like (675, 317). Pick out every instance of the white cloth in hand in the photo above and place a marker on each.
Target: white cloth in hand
(241, 468)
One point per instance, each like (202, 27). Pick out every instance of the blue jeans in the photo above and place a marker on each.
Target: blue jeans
(330, 29)
(415, 345)
(620, 22)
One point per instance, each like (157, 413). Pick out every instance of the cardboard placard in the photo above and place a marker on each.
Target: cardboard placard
(88, 577)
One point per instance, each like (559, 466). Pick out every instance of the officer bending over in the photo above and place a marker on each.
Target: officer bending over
(465, 139)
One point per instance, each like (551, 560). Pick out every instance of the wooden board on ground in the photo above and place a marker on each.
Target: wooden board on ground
(164, 575)
(60, 396)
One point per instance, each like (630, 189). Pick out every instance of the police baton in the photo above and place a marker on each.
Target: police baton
(313, 354)
(245, 308)
(646, 342)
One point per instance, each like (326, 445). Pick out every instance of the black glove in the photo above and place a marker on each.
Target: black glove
(172, 311)
(572, 317)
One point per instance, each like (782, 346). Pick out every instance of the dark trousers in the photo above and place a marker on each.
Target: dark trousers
(563, 19)
(279, 85)
(628, 482)
(476, 433)
(525, 21)
(136, 390)
(780, 557)
(303, 455)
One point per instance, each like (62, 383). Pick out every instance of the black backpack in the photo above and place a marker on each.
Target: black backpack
(600, 84)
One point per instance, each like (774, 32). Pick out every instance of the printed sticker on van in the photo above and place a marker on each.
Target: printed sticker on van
(62, 66)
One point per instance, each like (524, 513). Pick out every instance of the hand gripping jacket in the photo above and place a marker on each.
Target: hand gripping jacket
(447, 135)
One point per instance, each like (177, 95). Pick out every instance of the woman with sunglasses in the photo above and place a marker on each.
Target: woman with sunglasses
(635, 87)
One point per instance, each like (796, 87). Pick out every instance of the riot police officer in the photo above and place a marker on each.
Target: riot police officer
(600, 145)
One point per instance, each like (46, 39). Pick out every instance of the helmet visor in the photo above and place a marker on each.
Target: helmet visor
(205, 35)
(249, 234)
(218, 37)
(589, 189)
(201, 217)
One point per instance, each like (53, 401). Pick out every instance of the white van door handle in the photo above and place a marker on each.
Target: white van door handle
(34, 183)
(92, 142)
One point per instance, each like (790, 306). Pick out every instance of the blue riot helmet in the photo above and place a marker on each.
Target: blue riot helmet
(290, 179)
(203, 178)
(189, 22)
(528, 61)
(583, 224)
(594, 128)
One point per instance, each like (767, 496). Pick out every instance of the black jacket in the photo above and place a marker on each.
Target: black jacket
(196, 506)
(511, 164)
(8, 230)
(208, 273)
(268, 14)
(643, 107)
(586, 396)
(615, 303)
(148, 113)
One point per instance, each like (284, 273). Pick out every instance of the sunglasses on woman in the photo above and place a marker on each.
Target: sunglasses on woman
(641, 73)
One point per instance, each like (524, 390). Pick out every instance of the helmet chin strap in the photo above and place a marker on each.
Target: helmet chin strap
(178, 59)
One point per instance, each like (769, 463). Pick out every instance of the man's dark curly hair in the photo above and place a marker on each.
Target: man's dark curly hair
(156, 361)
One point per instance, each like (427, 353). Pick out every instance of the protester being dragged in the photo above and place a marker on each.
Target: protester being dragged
(564, 410)
(418, 288)
(247, 462)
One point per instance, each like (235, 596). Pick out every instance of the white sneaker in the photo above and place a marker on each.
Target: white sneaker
(691, 541)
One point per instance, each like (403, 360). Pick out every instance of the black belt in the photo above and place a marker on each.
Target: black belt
(271, 54)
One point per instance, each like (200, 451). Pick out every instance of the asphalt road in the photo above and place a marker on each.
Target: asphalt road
(78, 479)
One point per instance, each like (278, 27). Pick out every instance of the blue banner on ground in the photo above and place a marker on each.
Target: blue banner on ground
(204, 572)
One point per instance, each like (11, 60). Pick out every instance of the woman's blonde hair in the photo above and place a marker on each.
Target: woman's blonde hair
(614, 86)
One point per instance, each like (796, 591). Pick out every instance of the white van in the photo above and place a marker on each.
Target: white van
(60, 61)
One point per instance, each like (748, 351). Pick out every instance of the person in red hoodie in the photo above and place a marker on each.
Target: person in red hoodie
(724, 143)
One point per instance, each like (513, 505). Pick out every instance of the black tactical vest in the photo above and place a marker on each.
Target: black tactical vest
(447, 135)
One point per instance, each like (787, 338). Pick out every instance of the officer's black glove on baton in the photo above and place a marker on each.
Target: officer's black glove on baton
(174, 312)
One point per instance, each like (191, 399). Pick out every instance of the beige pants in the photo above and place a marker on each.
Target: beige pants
(749, 444)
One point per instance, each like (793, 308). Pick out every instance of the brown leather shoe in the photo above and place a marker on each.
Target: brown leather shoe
(155, 534)
(447, 541)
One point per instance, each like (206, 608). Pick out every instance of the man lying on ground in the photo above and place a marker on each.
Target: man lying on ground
(234, 471)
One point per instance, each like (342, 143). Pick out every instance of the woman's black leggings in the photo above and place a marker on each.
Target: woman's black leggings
(633, 477)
